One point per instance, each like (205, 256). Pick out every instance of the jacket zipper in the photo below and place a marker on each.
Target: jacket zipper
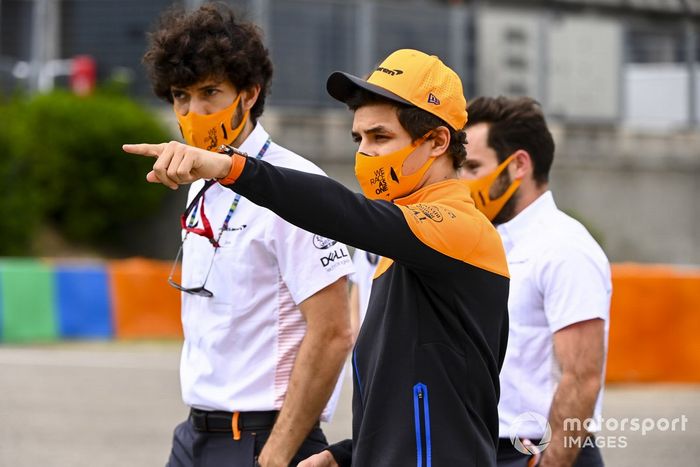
(421, 412)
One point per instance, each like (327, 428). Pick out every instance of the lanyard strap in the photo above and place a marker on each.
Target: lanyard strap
(236, 199)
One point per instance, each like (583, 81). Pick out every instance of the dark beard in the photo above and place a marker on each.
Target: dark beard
(508, 211)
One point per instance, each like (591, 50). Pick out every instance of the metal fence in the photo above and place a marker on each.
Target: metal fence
(310, 39)
(577, 62)
(307, 39)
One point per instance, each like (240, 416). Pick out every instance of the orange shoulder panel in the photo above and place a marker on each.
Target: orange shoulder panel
(443, 217)
(382, 266)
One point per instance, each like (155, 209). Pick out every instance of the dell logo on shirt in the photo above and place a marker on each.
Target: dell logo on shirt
(334, 255)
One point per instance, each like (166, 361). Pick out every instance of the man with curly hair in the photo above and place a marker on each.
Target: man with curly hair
(426, 361)
(264, 303)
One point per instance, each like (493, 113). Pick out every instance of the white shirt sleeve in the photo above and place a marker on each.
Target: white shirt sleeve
(307, 262)
(359, 262)
(575, 286)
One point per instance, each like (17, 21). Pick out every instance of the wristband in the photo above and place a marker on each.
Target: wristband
(238, 159)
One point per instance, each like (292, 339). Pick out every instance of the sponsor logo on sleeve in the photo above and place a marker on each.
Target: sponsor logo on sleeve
(335, 258)
(424, 212)
(323, 243)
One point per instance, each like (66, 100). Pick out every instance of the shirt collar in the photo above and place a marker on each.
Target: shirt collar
(518, 226)
(255, 141)
(450, 188)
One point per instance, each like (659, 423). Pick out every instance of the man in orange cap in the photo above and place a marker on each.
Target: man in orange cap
(428, 355)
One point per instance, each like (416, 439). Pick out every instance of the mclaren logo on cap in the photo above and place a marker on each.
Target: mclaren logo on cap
(390, 72)
(432, 99)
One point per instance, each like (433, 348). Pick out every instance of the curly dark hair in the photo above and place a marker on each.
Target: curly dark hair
(417, 122)
(515, 123)
(210, 42)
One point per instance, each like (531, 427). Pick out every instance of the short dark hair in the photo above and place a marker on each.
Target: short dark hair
(417, 122)
(210, 42)
(515, 123)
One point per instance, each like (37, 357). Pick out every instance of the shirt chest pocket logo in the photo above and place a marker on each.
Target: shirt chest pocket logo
(233, 235)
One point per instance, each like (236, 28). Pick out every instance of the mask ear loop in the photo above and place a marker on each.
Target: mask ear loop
(484, 197)
(414, 146)
(237, 131)
(422, 139)
(509, 192)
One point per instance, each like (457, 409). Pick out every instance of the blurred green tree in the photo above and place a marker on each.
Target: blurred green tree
(61, 165)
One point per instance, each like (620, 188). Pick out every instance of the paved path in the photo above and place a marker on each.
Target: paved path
(115, 404)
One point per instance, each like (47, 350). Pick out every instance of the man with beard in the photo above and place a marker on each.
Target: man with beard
(559, 295)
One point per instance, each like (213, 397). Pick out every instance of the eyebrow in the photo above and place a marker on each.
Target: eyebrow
(201, 88)
(373, 130)
(209, 85)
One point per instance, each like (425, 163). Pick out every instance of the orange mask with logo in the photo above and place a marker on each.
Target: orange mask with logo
(212, 130)
(381, 177)
(481, 187)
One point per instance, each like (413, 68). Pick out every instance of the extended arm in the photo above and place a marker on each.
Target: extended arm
(313, 202)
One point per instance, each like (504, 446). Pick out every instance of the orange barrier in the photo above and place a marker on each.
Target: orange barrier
(654, 324)
(654, 316)
(143, 304)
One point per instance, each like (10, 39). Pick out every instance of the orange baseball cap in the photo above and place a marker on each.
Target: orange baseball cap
(410, 77)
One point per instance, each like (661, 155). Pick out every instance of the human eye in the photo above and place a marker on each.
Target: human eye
(177, 94)
(471, 167)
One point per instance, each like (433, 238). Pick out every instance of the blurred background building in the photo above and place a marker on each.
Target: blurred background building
(618, 79)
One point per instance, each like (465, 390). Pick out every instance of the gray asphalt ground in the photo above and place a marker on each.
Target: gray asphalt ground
(115, 404)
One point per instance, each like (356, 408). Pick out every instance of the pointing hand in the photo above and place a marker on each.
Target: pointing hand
(178, 164)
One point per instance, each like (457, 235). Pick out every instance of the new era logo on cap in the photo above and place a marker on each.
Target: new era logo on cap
(432, 99)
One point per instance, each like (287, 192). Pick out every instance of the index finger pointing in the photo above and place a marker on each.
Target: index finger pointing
(144, 149)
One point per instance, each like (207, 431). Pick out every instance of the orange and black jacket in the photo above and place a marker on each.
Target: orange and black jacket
(427, 359)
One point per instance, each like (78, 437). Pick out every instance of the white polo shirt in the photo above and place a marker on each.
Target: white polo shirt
(365, 264)
(559, 276)
(240, 344)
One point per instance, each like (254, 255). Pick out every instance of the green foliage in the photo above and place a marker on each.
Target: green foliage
(61, 163)
(20, 207)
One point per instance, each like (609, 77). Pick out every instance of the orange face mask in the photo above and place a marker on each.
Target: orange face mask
(381, 177)
(212, 130)
(481, 187)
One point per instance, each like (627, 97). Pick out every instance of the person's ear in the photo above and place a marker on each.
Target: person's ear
(439, 141)
(249, 96)
(522, 166)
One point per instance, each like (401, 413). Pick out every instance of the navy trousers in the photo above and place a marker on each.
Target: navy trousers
(192, 448)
